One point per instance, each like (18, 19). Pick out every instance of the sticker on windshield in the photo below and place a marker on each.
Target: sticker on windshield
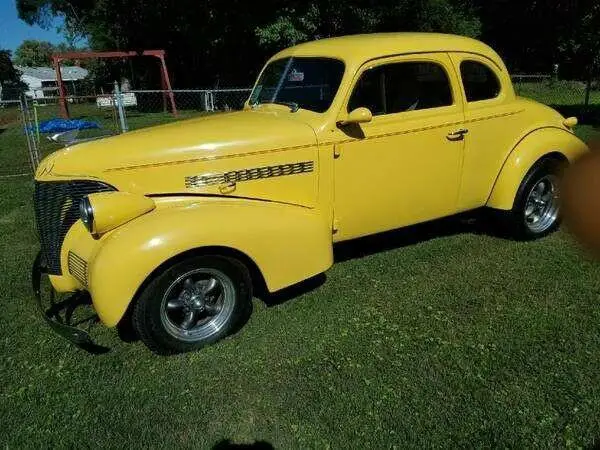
(295, 76)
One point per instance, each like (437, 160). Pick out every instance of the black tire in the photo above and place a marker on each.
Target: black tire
(517, 223)
(156, 319)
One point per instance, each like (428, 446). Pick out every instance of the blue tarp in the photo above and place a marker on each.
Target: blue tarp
(60, 125)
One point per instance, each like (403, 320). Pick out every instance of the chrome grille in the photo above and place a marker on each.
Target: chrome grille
(56, 206)
(78, 268)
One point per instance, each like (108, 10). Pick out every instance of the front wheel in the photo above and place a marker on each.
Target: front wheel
(193, 303)
(536, 212)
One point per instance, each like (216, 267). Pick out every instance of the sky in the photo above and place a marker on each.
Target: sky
(13, 30)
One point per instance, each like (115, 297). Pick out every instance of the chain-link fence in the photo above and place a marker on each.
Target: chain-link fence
(146, 108)
(557, 93)
(28, 125)
(96, 117)
(24, 136)
(18, 151)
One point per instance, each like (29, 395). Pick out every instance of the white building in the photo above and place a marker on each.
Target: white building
(41, 81)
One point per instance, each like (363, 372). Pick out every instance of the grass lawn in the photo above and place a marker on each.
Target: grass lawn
(557, 93)
(434, 336)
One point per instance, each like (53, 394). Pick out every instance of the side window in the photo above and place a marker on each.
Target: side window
(400, 87)
(480, 82)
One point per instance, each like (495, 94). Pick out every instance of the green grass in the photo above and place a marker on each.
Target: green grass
(420, 338)
(588, 132)
(562, 93)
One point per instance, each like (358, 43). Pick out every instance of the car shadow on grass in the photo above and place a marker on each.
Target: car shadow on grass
(472, 223)
(292, 292)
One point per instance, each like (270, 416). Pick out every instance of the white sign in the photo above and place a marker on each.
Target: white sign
(129, 99)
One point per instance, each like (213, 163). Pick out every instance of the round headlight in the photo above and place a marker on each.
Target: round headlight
(86, 213)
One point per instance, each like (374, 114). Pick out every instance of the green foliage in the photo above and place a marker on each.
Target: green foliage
(306, 21)
(580, 44)
(534, 35)
(8, 73)
(10, 83)
(227, 43)
(33, 53)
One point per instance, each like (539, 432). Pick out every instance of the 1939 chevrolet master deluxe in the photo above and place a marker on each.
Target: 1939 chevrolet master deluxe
(341, 138)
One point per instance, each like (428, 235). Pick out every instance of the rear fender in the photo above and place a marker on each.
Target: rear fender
(288, 244)
(533, 147)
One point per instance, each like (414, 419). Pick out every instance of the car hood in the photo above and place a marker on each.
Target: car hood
(215, 136)
(250, 154)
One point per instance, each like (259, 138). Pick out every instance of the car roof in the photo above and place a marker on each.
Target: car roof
(359, 48)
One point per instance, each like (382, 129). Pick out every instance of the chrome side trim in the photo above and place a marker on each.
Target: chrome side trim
(256, 173)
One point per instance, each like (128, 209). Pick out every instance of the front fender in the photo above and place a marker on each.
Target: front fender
(287, 243)
(526, 153)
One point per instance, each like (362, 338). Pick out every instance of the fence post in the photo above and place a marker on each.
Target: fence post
(588, 90)
(37, 123)
(118, 100)
(34, 157)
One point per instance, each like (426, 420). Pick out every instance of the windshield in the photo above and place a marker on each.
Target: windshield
(308, 83)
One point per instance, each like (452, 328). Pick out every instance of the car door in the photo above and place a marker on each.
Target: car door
(493, 119)
(404, 166)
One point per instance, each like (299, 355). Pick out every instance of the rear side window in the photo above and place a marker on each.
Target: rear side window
(481, 83)
(400, 87)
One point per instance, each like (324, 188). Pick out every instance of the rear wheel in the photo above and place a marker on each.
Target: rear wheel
(195, 302)
(536, 211)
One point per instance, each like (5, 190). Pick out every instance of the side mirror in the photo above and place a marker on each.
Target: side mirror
(356, 116)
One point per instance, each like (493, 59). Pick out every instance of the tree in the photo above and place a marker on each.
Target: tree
(34, 53)
(8, 73)
(212, 42)
(302, 21)
(10, 83)
(550, 32)
(579, 40)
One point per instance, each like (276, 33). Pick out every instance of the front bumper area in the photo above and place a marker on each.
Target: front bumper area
(61, 324)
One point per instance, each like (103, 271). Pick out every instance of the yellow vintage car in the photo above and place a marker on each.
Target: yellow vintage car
(173, 226)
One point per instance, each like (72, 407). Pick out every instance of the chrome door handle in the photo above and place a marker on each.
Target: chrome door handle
(457, 135)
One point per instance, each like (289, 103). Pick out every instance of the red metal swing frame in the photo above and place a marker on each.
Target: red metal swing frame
(160, 54)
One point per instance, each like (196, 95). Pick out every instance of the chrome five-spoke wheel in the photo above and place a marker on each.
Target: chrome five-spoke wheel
(198, 304)
(541, 207)
(536, 208)
(195, 302)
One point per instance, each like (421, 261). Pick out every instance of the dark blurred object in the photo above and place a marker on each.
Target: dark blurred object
(228, 445)
(581, 199)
